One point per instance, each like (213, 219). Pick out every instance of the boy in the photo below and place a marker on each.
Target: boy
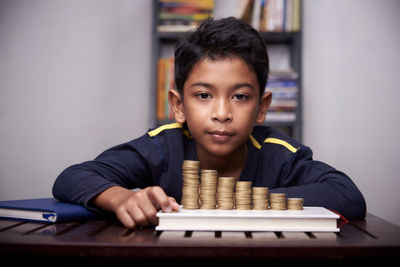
(221, 71)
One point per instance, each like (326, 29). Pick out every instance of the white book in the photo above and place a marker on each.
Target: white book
(280, 116)
(255, 19)
(241, 9)
(176, 28)
(310, 219)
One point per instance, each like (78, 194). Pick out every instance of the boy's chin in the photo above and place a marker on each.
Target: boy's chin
(220, 151)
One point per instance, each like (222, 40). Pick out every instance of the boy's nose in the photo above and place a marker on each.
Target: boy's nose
(221, 111)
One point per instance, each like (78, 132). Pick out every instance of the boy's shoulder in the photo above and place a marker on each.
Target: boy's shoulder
(169, 135)
(159, 137)
(166, 129)
(269, 138)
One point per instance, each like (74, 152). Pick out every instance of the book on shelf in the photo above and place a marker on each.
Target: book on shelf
(271, 15)
(281, 116)
(165, 82)
(183, 15)
(284, 87)
(310, 219)
(47, 210)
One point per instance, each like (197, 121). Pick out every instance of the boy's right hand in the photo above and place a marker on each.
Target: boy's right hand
(137, 208)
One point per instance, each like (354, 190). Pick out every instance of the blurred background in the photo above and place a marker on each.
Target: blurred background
(76, 78)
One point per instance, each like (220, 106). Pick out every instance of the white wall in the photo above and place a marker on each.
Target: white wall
(351, 84)
(74, 80)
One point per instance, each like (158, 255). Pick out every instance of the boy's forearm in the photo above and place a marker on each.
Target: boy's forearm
(79, 185)
(108, 199)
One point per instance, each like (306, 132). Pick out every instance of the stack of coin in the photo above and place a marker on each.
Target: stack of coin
(295, 203)
(191, 181)
(225, 194)
(208, 189)
(260, 198)
(277, 201)
(243, 195)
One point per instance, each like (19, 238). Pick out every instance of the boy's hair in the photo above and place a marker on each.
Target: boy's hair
(220, 39)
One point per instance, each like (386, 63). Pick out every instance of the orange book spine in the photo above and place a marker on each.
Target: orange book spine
(172, 85)
(160, 89)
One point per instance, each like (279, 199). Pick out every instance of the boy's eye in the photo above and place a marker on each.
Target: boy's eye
(203, 96)
(240, 97)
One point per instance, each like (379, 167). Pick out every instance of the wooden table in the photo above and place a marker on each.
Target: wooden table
(107, 242)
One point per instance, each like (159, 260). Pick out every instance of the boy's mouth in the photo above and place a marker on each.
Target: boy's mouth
(220, 136)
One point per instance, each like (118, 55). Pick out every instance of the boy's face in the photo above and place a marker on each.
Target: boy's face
(221, 104)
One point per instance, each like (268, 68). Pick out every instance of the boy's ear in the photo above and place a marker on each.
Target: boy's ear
(263, 108)
(176, 104)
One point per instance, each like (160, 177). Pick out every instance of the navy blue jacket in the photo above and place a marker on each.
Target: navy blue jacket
(274, 160)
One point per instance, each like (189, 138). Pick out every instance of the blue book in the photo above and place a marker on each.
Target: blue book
(47, 210)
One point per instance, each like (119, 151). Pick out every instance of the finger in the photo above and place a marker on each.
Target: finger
(149, 210)
(173, 203)
(138, 216)
(151, 215)
(159, 199)
(126, 220)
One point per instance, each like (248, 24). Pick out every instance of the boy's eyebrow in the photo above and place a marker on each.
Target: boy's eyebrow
(207, 85)
(240, 85)
(236, 86)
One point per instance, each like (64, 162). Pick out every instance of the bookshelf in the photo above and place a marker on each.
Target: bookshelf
(163, 43)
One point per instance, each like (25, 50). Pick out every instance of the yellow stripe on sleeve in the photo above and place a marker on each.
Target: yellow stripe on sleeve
(164, 127)
(281, 142)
